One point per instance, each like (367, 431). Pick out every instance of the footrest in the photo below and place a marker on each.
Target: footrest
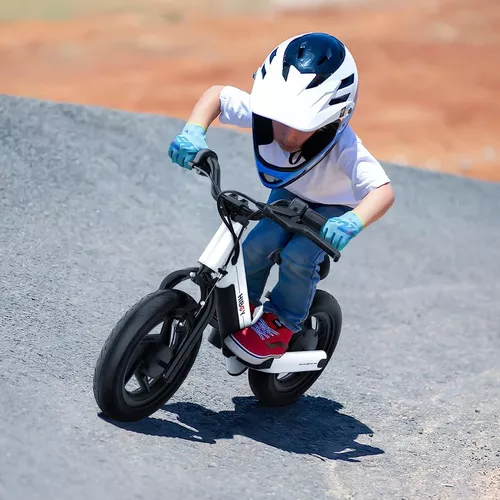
(299, 361)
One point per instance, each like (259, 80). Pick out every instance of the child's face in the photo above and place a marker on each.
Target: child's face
(289, 139)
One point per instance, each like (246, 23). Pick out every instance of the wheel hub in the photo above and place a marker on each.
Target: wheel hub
(158, 363)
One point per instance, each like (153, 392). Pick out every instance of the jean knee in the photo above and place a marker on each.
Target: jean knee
(302, 255)
(254, 250)
(264, 238)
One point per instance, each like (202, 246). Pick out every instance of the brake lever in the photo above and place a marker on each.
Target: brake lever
(299, 214)
(294, 225)
(199, 170)
(323, 244)
(286, 211)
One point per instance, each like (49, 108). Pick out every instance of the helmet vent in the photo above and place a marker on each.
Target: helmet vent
(338, 100)
(346, 82)
(272, 55)
(269, 178)
(316, 53)
(317, 80)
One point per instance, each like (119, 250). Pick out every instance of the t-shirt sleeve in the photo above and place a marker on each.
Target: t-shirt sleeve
(364, 170)
(235, 107)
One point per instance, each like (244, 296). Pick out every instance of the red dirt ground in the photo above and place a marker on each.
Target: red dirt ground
(429, 69)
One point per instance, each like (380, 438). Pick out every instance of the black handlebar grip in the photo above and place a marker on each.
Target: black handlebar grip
(316, 221)
(313, 219)
(204, 160)
(208, 161)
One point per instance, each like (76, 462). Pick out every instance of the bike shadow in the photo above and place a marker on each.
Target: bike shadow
(311, 426)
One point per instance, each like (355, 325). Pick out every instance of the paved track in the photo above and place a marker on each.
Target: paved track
(93, 215)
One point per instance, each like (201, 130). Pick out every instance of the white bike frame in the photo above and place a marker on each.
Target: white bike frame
(215, 256)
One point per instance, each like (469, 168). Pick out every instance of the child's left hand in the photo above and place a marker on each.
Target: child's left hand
(338, 231)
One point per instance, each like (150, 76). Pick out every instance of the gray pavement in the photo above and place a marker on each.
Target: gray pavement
(93, 215)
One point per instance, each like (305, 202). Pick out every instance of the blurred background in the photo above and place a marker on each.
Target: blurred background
(429, 69)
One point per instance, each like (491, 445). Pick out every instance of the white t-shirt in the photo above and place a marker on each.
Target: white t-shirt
(346, 174)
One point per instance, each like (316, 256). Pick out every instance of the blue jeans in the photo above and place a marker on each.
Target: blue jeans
(292, 296)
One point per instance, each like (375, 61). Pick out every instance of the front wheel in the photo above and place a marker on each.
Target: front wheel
(128, 378)
(321, 332)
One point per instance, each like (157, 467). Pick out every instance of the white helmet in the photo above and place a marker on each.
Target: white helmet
(310, 83)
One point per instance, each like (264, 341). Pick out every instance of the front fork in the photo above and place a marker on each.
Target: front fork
(231, 292)
(232, 304)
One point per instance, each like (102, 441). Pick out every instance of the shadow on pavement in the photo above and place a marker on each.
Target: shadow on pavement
(312, 426)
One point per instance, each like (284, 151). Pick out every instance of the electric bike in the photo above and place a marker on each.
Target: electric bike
(152, 348)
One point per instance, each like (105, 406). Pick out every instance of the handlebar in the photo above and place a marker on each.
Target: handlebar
(294, 216)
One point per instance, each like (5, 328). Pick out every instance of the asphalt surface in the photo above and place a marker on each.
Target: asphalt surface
(93, 215)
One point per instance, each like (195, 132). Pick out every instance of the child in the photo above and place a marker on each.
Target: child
(303, 97)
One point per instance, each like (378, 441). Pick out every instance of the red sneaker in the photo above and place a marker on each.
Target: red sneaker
(267, 338)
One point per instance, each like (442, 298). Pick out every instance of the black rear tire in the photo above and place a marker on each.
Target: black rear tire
(275, 390)
(119, 356)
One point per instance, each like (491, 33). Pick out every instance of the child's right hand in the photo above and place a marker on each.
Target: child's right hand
(184, 147)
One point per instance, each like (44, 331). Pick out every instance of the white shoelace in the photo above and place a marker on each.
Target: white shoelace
(263, 330)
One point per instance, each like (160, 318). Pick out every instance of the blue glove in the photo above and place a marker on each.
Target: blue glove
(184, 147)
(338, 231)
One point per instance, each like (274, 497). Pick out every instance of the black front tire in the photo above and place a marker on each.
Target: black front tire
(113, 368)
(275, 390)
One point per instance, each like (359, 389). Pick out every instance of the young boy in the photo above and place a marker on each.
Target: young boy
(303, 97)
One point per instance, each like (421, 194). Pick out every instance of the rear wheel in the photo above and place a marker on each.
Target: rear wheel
(321, 332)
(128, 378)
